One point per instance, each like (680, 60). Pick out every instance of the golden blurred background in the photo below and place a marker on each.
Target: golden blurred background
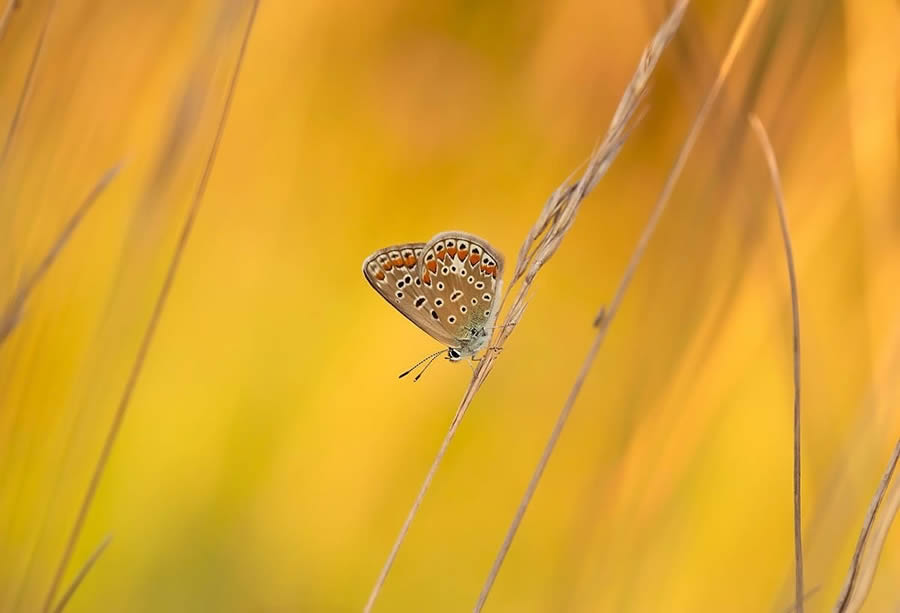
(269, 453)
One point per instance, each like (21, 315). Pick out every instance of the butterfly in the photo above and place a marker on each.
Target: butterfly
(449, 287)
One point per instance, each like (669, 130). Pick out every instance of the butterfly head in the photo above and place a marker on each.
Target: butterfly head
(453, 354)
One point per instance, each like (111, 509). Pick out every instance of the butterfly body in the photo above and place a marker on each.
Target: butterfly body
(449, 287)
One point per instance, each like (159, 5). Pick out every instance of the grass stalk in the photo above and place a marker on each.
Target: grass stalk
(152, 324)
(606, 314)
(12, 314)
(81, 574)
(775, 176)
(861, 571)
(29, 80)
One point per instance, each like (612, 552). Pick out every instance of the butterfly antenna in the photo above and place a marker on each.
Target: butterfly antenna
(422, 372)
(416, 365)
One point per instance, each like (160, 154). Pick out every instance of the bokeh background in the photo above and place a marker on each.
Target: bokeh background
(270, 454)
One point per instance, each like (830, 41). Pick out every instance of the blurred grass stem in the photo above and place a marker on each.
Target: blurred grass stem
(4, 17)
(29, 83)
(13, 311)
(79, 577)
(153, 323)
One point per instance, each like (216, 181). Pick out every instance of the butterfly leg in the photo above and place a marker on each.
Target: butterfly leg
(495, 349)
(509, 325)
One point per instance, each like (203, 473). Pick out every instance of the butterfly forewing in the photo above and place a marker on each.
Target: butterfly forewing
(394, 273)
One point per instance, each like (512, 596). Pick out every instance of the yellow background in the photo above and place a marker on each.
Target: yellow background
(270, 454)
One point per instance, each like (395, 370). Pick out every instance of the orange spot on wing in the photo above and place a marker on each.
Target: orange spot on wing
(473, 259)
(462, 254)
(379, 275)
(441, 255)
(431, 265)
(387, 266)
(398, 262)
(410, 261)
(489, 270)
(451, 251)
(426, 278)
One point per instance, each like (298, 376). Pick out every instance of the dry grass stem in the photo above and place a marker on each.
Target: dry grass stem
(883, 380)
(554, 221)
(13, 311)
(79, 577)
(189, 111)
(606, 314)
(772, 163)
(806, 597)
(4, 17)
(27, 87)
(869, 563)
(861, 571)
(153, 323)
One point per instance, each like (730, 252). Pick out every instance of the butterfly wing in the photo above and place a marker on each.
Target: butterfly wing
(394, 273)
(461, 276)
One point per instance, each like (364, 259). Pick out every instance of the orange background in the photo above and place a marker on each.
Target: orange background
(270, 454)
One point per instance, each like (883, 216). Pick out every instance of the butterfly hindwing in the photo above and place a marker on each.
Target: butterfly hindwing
(461, 275)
